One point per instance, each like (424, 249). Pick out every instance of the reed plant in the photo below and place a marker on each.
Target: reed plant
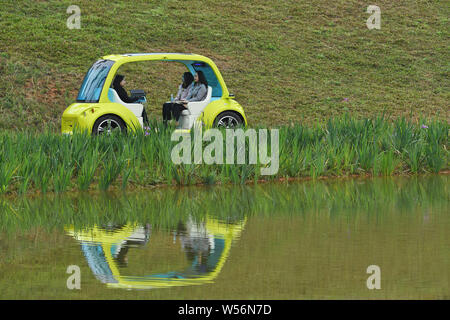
(47, 161)
(7, 170)
(87, 168)
(111, 170)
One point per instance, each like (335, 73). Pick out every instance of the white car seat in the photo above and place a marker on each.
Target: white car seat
(194, 109)
(136, 108)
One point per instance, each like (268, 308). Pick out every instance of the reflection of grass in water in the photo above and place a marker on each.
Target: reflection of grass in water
(344, 146)
(305, 240)
(164, 208)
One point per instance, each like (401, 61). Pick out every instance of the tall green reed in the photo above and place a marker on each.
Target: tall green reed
(46, 161)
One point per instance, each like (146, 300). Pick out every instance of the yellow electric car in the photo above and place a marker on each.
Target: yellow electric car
(114, 253)
(99, 109)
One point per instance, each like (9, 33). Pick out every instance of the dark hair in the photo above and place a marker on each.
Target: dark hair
(188, 78)
(202, 78)
(117, 80)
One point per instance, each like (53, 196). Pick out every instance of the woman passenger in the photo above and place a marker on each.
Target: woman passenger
(199, 90)
(118, 83)
(196, 91)
(174, 108)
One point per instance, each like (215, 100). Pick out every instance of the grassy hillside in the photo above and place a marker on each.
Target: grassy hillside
(286, 61)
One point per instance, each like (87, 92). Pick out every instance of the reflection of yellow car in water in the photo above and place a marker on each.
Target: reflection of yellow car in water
(206, 246)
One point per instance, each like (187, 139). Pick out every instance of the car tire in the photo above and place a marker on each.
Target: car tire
(228, 120)
(107, 124)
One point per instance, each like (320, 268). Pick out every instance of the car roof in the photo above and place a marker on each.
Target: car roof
(126, 57)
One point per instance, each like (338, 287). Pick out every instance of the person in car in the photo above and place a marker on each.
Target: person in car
(199, 90)
(196, 92)
(174, 108)
(118, 83)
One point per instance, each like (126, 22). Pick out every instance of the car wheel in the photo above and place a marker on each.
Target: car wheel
(107, 124)
(228, 120)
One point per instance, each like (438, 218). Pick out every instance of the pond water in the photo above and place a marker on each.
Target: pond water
(302, 240)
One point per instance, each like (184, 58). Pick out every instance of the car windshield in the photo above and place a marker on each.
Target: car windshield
(210, 76)
(93, 81)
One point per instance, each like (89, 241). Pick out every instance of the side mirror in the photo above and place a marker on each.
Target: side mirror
(231, 95)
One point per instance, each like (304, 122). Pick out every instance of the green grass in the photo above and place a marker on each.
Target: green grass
(46, 161)
(293, 61)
